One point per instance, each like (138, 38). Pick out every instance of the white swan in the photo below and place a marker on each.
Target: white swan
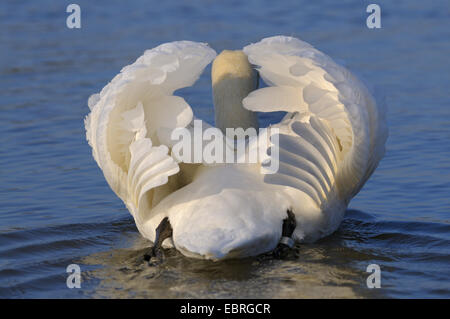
(330, 142)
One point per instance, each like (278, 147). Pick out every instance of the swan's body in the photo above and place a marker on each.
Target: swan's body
(330, 142)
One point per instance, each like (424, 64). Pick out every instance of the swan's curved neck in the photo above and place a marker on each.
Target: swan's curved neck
(232, 80)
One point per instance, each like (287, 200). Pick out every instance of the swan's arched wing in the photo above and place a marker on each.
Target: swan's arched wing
(334, 133)
(132, 117)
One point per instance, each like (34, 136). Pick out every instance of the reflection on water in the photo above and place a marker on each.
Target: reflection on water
(56, 208)
(331, 268)
(124, 275)
(334, 267)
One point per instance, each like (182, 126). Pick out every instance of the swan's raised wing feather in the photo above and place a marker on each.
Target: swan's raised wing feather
(132, 116)
(334, 126)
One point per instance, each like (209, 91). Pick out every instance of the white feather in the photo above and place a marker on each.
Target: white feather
(328, 93)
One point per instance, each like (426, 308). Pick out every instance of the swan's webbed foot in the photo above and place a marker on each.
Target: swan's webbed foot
(286, 242)
(163, 231)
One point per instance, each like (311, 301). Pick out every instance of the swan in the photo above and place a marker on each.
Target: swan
(329, 143)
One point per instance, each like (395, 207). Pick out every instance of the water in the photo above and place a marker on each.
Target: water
(56, 208)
